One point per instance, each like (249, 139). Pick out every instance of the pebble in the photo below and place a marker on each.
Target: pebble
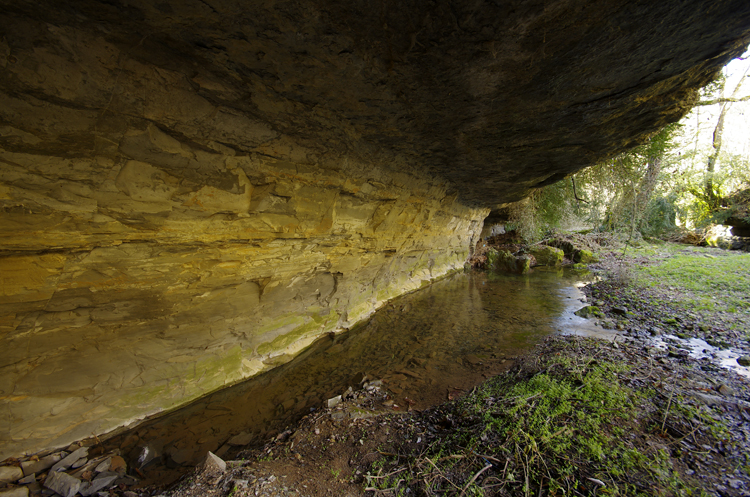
(744, 360)
(622, 311)
(725, 390)
(10, 473)
(333, 402)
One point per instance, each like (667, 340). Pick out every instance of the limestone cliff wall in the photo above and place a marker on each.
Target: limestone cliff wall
(144, 263)
(193, 190)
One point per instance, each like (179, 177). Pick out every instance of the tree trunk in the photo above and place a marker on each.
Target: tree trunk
(709, 189)
(647, 185)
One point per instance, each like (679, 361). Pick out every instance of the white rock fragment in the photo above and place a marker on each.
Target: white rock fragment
(333, 402)
(10, 473)
(213, 463)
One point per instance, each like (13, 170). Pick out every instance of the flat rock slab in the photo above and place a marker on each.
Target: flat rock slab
(62, 483)
(70, 459)
(31, 467)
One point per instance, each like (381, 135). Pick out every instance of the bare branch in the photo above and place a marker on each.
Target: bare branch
(723, 101)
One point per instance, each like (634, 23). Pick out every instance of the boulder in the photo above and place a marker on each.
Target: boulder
(546, 255)
(504, 260)
(583, 256)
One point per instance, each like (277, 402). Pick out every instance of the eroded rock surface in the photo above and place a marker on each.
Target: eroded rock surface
(193, 191)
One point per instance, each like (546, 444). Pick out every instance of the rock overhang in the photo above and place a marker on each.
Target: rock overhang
(517, 93)
(193, 191)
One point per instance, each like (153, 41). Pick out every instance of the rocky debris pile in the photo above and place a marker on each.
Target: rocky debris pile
(88, 471)
(506, 252)
(297, 461)
(78, 470)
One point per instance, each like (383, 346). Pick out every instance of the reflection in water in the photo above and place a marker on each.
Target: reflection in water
(427, 346)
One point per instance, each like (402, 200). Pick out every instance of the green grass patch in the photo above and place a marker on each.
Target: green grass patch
(562, 431)
(704, 282)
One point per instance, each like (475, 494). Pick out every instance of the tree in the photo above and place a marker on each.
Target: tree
(710, 194)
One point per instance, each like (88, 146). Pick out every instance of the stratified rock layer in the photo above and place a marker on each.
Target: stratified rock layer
(192, 191)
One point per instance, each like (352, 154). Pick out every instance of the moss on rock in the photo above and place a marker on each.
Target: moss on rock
(583, 256)
(546, 255)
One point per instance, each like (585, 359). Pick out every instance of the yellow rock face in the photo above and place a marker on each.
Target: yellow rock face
(129, 288)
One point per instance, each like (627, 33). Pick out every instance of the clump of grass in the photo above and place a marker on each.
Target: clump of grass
(561, 431)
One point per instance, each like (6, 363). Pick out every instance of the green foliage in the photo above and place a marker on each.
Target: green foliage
(670, 181)
(660, 216)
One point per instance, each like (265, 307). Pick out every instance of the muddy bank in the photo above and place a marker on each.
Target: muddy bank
(686, 430)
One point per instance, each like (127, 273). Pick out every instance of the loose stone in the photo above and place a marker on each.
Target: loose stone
(118, 465)
(101, 482)
(744, 360)
(10, 473)
(62, 483)
(214, 463)
(69, 460)
(104, 465)
(27, 479)
(31, 467)
(243, 438)
(725, 390)
(622, 311)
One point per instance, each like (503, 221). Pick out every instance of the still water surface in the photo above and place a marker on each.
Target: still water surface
(427, 347)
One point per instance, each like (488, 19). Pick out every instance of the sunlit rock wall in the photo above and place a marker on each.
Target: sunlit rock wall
(144, 263)
(193, 190)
